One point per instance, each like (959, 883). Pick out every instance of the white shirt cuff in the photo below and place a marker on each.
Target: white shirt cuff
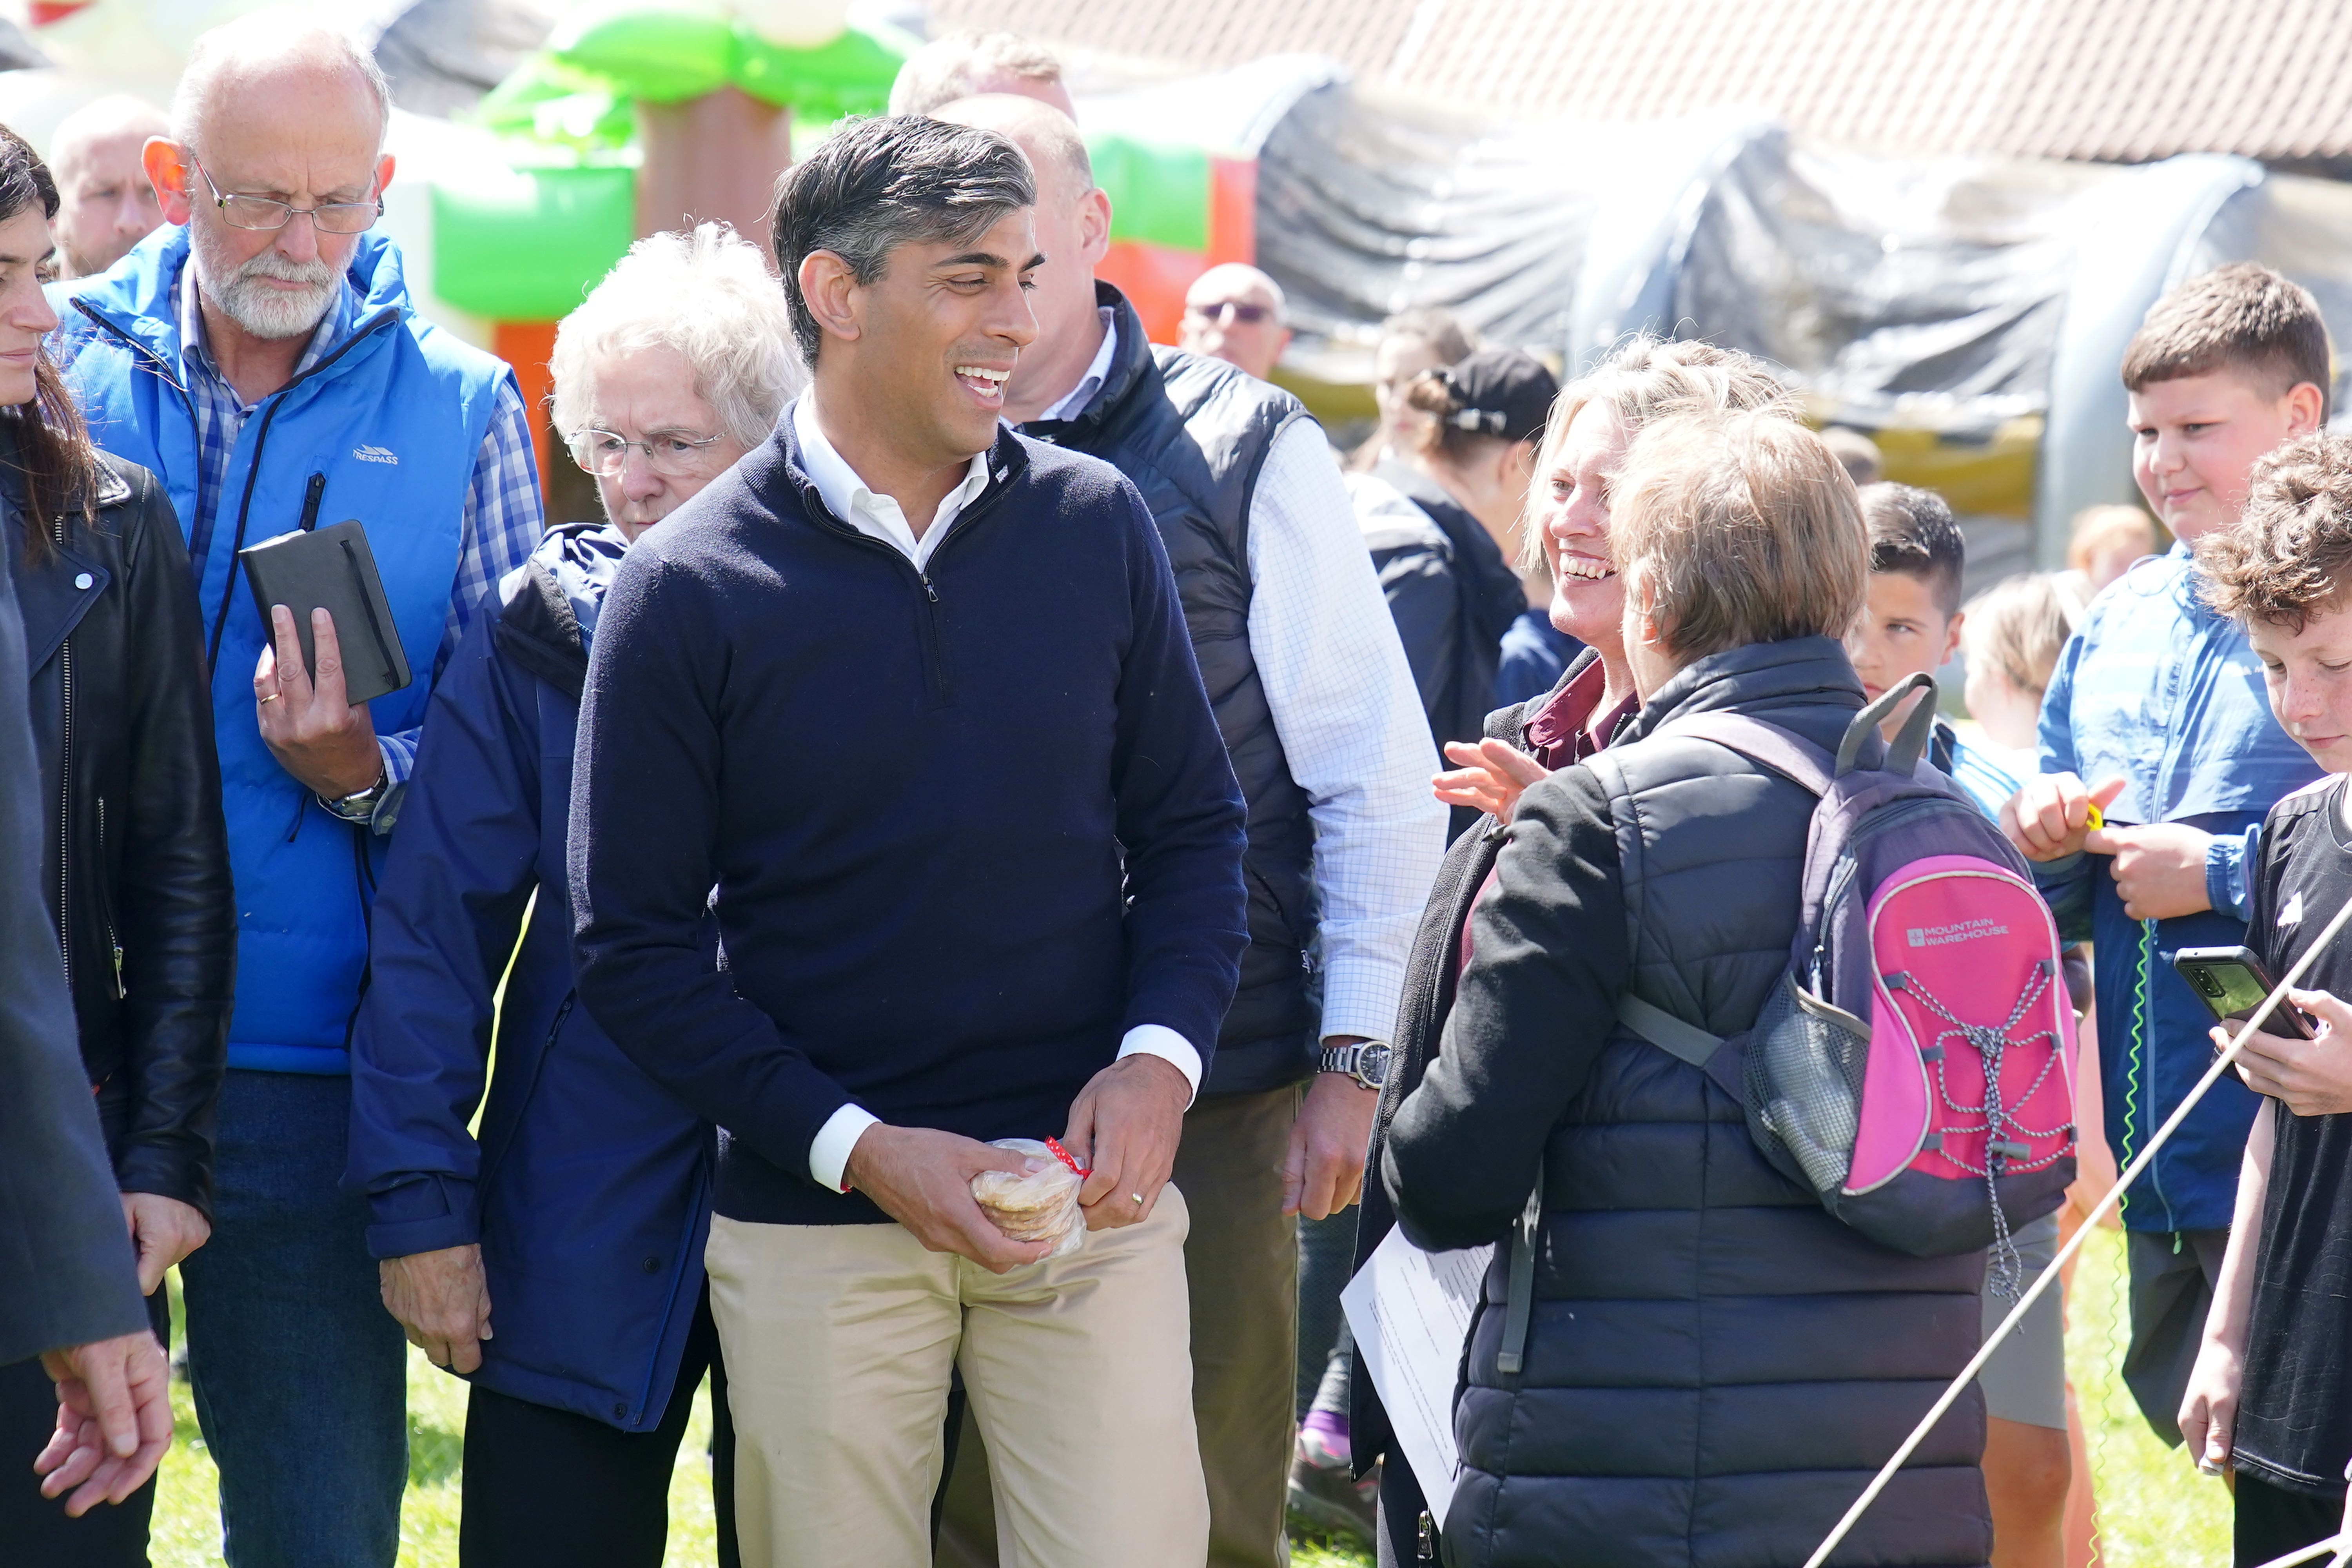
(829, 1150)
(1160, 1040)
(1361, 996)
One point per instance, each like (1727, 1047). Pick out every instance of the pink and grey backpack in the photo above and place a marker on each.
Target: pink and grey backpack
(1914, 1068)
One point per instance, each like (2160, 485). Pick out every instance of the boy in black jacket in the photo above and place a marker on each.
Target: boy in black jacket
(916, 696)
(2271, 1394)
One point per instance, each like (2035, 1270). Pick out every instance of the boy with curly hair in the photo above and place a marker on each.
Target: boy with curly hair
(2272, 1392)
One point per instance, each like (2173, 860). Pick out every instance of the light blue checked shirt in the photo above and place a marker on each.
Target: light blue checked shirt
(503, 519)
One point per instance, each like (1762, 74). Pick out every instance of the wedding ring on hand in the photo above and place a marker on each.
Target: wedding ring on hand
(273, 697)
(1138, 1198)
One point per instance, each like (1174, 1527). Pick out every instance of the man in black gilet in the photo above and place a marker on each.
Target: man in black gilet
(1323, 725)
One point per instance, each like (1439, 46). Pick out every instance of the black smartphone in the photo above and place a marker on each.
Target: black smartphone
(2233, 983)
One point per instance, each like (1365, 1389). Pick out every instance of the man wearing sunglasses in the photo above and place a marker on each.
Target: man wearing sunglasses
(1234, 312)
(261, 354)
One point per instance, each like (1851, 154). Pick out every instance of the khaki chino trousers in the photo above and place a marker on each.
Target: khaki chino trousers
(840, 1340)
(1241, 1267)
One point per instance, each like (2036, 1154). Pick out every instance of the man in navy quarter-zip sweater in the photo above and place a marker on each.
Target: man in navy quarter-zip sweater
(916, 696)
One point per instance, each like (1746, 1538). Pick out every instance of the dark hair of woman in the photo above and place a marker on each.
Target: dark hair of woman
(1448, 434)
(53, 453)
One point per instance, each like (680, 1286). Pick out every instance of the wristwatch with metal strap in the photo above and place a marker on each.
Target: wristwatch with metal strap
(358, 807)
(1367, 1061)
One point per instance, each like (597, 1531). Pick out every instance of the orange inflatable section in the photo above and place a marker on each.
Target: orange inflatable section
(1154, 277)
(528, 346)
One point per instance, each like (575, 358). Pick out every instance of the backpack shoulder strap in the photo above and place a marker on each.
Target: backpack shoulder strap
(1767, 745)
(1669, 1033)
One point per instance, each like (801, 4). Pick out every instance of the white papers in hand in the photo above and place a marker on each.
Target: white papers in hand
(1411, 1313)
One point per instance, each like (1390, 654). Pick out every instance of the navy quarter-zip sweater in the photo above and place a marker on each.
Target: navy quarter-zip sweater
(962, 826)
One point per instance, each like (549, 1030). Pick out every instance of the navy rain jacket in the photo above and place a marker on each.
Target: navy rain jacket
(589, 1188)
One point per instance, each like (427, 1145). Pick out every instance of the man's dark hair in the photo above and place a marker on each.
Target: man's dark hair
(1913, 532)
(874, 184)
(2242, 317)
(53, 455)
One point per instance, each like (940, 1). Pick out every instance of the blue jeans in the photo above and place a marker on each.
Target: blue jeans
(1327, 1257)
(298, 1371)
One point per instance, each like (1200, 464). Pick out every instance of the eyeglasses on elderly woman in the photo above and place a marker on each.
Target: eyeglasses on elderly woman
(673, 453)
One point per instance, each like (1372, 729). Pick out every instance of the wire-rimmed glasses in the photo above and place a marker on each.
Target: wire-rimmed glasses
(673, 454)
(267, 213)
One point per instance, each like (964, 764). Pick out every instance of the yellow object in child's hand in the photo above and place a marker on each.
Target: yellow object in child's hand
(2096, 819)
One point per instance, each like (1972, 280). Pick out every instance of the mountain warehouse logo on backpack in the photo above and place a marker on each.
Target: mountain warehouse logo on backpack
(375, 455)
(1943, 936)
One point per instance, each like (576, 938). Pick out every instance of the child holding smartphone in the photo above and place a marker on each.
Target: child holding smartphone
(2270, 1393)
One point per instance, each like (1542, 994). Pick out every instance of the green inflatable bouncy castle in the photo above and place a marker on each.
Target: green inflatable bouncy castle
(523, 243)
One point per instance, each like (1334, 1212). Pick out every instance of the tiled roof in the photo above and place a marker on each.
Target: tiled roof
(2071, 78)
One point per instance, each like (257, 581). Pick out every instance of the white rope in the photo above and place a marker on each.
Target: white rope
(2335, 1543)
(2227, 1059)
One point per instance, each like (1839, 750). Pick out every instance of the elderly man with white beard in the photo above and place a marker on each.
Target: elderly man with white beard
(260, 353)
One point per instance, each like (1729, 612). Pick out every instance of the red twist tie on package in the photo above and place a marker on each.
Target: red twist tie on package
(1064, 1155)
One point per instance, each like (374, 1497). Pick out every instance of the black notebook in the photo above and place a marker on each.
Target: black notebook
(332, 569)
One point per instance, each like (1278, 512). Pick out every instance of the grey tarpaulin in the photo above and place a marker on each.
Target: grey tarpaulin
(1957, 295)
(1368, 206)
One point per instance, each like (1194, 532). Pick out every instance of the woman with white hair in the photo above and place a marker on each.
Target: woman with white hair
(557, 1257)
(671, 369)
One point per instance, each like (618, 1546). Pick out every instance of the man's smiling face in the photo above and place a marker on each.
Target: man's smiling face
(941, 330)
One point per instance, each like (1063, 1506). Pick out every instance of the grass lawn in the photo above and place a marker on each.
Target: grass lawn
(2155, 1510)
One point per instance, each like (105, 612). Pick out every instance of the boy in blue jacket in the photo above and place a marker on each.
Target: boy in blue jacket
(2158, 700)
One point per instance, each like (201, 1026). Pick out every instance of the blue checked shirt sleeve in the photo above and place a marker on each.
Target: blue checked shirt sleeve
(503, 524)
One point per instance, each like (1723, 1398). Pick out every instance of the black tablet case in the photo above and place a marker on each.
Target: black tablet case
(332, 569)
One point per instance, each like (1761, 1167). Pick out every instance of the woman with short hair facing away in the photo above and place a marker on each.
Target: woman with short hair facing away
(1714, 1366)
(1568, 534)
(557, 1261)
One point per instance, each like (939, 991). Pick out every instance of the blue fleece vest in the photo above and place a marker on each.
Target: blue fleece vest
(385, 428)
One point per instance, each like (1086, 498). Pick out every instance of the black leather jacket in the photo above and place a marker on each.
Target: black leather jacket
(136, 863)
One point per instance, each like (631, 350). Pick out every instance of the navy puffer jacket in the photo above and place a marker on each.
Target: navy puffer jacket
(589, 1187)
(1715, 1367)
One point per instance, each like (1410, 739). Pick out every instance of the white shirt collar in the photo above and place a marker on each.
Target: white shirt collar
(1098, 372)
(870, 513)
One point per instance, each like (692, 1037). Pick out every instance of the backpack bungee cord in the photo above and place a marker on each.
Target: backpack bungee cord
(2001, 1127)
(2114, 1195)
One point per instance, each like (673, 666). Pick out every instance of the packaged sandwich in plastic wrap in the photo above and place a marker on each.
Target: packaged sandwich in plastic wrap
(1041, 1205)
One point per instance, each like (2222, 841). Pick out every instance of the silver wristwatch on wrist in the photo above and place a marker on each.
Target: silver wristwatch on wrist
(359, 807)
(1367, 1061)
